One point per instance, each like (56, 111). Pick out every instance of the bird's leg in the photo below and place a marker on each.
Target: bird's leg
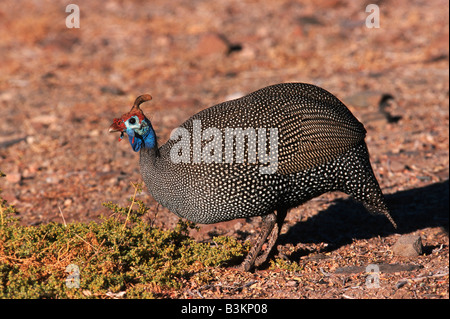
(272, 240)
(281, 215)
(268, 222)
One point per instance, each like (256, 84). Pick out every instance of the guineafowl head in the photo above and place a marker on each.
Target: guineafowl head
(138, 128)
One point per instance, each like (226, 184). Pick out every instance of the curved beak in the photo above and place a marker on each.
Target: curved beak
(117, 126)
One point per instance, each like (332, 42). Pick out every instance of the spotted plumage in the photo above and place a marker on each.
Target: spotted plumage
(258, 155)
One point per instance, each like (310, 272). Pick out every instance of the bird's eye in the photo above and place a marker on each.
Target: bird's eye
(132, 120)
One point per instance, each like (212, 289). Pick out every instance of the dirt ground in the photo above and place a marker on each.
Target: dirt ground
(61, 87)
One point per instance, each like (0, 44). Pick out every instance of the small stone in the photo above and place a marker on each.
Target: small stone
(408, 246)
(401, 283)
(396, 165)
(364, 99)
(13, 177)
(68, 202)
(45, 119)
(112, 90)
(212, 43)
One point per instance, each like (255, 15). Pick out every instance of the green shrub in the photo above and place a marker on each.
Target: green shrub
(113, 258)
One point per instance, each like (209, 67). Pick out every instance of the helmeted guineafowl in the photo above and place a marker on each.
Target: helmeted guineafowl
(258, 155)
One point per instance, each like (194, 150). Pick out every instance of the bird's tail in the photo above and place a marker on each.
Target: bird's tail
(361, 183)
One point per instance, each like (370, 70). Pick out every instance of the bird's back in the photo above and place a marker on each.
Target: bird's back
(313, 125)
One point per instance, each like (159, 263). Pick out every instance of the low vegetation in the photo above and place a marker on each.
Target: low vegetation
(122, 256)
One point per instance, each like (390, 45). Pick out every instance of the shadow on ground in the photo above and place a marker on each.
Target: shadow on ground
(346, 219)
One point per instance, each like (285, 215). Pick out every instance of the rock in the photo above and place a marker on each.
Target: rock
(13, 178)
(212, 43)
(375, 101)
(365, 99)
(408, 246)
(401, 283)
(68, 202)
(396, 165)
(45, 119)
(109, 89)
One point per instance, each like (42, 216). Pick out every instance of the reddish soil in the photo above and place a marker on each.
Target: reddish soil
(60, 88)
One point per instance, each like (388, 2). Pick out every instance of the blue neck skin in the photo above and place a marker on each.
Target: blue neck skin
(144, 137)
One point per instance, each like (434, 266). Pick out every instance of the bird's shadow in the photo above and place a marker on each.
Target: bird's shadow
(346, 220)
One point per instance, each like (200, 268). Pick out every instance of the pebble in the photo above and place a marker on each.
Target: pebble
(364, 99)
(396, 165)
(68, 202)
(212, 43)
(408, 246)
(13, 177)
(401, 283)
